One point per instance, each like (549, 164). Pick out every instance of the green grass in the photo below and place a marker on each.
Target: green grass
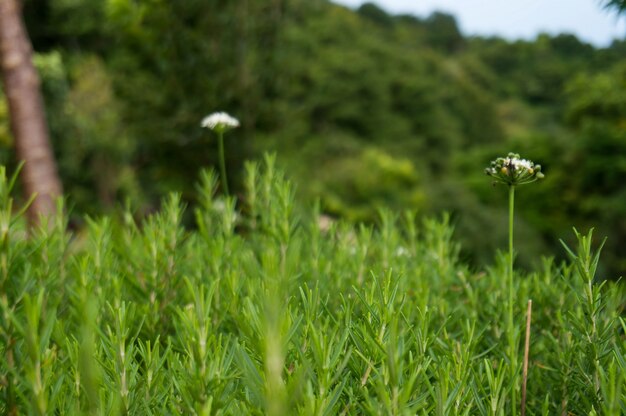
(261, 311)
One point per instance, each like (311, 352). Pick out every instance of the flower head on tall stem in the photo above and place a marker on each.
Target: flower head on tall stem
(220, 123)
(513, 170)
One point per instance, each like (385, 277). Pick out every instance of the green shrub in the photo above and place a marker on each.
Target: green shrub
(262, 310)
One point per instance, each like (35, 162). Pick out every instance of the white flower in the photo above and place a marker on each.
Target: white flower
(219, 122)
(516, 163)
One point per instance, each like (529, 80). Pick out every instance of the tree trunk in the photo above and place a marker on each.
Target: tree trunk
(28, 121)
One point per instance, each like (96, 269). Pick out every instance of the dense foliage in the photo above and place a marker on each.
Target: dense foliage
(364, 109)
(265, 309)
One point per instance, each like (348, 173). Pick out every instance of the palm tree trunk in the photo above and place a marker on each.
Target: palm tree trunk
(28, 121)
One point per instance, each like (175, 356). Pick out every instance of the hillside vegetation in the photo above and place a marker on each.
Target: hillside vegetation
(364, 109)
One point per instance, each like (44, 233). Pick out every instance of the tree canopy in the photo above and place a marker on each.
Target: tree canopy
(363, 108)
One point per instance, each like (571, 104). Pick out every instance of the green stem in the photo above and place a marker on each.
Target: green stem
(222, 163)
(511, 325)
(511, 209)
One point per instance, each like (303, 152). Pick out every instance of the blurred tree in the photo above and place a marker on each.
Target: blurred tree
(356, 187)
(375, 14)
(27, 117)
(617, 5)
(443, 32)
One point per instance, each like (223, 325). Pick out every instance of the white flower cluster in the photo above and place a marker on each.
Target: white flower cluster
(515, 163)
(219, 122)
(513, 170)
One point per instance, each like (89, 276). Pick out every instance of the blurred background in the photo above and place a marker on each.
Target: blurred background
(396, 104)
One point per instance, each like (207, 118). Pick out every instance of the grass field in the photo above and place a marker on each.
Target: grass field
(261, 310)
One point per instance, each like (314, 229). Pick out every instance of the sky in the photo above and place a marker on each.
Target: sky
(515, 19)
